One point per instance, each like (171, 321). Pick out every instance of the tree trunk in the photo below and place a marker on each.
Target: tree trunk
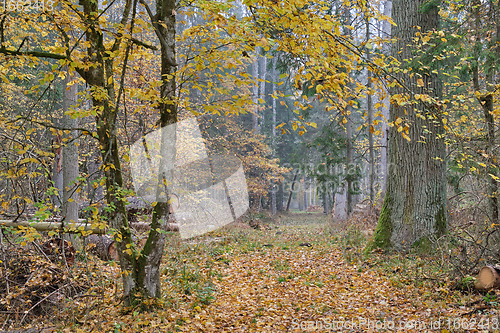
(349, 167)
(57, 173)
(279, 198)
(369, 111)
(348, 131)
(255, 93)
(415, 202)
(273, 126)
(100, 79)
(292, 189)
(70, 160)
(340, 205)
(148, 263)
(486, 99)
(386, 33)
(53, 225)
(306, 189)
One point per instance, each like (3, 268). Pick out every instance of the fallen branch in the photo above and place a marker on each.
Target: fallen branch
(56, 225)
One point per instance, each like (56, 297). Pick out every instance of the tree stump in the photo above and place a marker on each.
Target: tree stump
(488, 278)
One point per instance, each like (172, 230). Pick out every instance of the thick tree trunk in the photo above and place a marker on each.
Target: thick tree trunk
(415, 202)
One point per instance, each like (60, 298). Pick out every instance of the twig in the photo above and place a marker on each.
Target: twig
(37, 303)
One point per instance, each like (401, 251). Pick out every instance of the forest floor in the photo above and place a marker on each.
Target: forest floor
(298, 274)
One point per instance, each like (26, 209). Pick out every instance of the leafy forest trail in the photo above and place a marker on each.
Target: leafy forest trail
(305, 277)
(298, 274)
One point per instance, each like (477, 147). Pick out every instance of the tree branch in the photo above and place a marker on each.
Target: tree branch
(39, 54)
(154, 22)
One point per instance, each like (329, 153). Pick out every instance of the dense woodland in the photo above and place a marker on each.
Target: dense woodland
(368, 133)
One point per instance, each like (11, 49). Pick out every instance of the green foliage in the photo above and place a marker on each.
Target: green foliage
(429, 6)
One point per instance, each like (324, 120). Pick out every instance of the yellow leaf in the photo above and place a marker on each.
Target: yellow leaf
(420, 83)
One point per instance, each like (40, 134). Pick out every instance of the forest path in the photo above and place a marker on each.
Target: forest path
(301, 277)
(297, 274)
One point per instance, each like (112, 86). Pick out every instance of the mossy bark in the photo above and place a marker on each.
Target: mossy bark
(415, 202)
(383, 232)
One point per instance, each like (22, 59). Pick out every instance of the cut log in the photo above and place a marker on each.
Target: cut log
(488, 278)
(103, 246)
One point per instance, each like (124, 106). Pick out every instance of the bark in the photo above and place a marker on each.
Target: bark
(486, 99)
(340, 205)
(414, 207)
(57, 173)
(70, 160)
(148, 263)
(103, 246)
(273, 126)
(100, 78)
(349, 163)
(386, 33)
(279, 198)
(255, 93)
(369, 111)
(292, 189)
(349, 143)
